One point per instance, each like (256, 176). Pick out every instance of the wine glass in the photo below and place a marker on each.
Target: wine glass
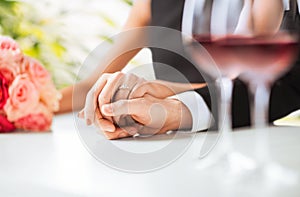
(268, 56)
(208, 27)
(225, 30)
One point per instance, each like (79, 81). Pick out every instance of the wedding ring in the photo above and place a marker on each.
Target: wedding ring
(124, 87)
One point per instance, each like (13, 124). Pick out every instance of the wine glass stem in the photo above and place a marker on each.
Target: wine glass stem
(225, 86)
(261, 95)
(259, 115)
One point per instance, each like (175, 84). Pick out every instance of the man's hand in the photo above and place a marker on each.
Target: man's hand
(152, 115)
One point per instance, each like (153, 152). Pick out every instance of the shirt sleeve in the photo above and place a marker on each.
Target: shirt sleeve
(286, 5)
(201, 115)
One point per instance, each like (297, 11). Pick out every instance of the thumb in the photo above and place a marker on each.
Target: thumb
(123, 107)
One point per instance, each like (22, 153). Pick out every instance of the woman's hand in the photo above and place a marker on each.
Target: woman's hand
(103, 92)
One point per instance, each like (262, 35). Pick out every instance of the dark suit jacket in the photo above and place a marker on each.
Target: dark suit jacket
(285, 94)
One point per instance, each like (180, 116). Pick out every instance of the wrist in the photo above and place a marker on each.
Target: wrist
(178, 115)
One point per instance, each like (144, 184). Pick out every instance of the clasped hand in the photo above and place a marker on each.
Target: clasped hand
(123, 105)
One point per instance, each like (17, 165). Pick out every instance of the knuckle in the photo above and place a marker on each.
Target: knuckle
(135, 77)
(94, 94)
(142, 84)
(97, 85)
(141, 80)
(105, 75)
(89, 101)
(112, 82)
(146, 86)
(118, 74)
(88, 111)
(103, 99)
(89, 94)
(130, 75)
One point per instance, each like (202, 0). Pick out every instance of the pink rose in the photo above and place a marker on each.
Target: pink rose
(10, 58)
(23, 98)
(42, 80)
(9, 71)
(10, 46)
(37, 73)
(7, 43)
(5, 125)
(3, 91)
(39, 120)
(9, 49)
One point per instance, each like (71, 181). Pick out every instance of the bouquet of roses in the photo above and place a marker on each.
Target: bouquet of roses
(28, 96)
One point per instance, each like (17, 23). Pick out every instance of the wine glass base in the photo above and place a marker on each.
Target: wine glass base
(247, 171)
(272, 174)
(231, 163)
(224, 159)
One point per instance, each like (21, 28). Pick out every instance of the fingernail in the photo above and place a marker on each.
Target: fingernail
(109, 129)
(88, 122)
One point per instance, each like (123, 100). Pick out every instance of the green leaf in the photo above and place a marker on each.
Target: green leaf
(108, 20)
(58, 49)
(128, 2)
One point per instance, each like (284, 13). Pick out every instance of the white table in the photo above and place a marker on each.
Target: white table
(58, 164)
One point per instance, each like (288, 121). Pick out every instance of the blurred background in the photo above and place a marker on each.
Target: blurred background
(61, 33)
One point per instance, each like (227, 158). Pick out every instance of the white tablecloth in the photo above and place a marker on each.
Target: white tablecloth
(58, 164)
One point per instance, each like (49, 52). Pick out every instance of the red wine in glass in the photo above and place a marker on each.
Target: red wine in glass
(254, 57)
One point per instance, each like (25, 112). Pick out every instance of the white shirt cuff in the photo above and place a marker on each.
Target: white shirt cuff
(201, 115)
(286, 5)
